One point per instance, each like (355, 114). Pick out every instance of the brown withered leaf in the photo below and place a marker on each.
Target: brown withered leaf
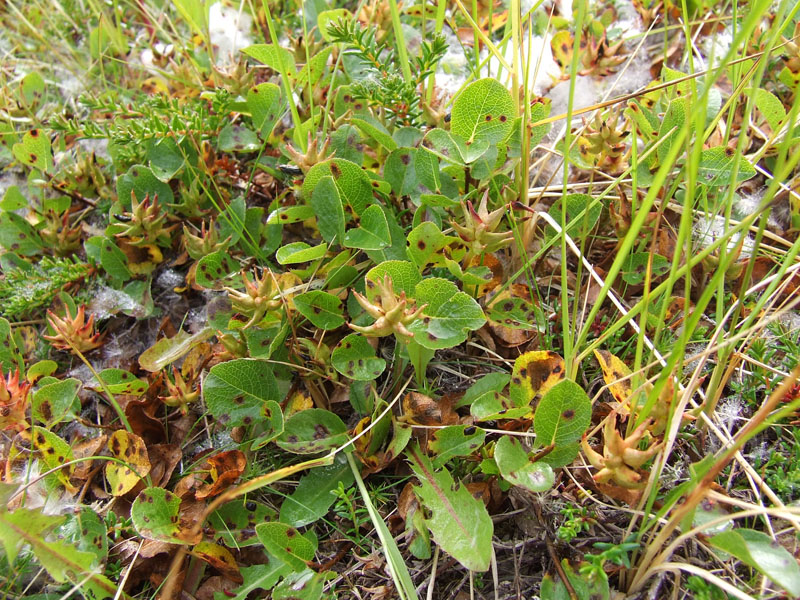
(419, 409)
(225, 468)
(163, 460)
(83, 448)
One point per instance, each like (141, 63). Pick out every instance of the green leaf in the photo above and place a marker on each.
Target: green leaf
(453, 148)
(372, 233)
(399, 171)
(307, 585)
(353, 184)
(54, 452)
(113, 260)
(455, 440)
(492, 405)
(634, 267)
(313, 497)
(493, 382)
(17, 235)
(13, 199)
(355, 358)
(770, 106)
(141, 181)
(425, 244)
(270, 424)
(86, 532)
(673, 122)
(312, 431)
(324, 310)
(563, 414)
(373, 128)
(62, 560)
(315, 67)
(167, 350)
(517, 466)
(265, 105)
(259, 577)
(582, 214)
(8, 137)
(327, 204)
(404, 276)
(285, 215)
(516, 313)
(32, 89)
(237, 138)
(213, 268)
(275, 57)
(717, 166)
(120, 381)
(165, 158)
(458, 521)
(234, 523)
(299, 252)
(472, 276)
(326, 17)
(10, 357)
(51, 403)
(761, 552)
(346, 143)
(483, 110)
(155, 516)
(34, 150)
(450, 314)
(236, 390)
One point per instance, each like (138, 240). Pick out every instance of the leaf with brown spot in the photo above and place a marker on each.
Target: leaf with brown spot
(534, 374)
(617, 376)
(54, 452)
(419, 409)
(130, 449)
(220, 558)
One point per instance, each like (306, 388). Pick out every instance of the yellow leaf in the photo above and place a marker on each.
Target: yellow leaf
(535, 373)
(129, 448)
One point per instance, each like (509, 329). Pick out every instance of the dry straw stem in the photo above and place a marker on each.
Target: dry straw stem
(654, 556)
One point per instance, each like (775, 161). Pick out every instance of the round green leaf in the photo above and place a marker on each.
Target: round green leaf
(404, 276)
(265, 105)
(355, 358)
(313, 496)
(372, 233)
(120, 381)
(52, 402)
(484, 110)
(213, 268)
(34, 150)
(449, 315)
(155, 516)
(235, 391)
(234, 523)
(312, 431)
(353, 184)
(324, 310)
(517, 467)
(141, 181)
(563, 414)
(237, 138)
